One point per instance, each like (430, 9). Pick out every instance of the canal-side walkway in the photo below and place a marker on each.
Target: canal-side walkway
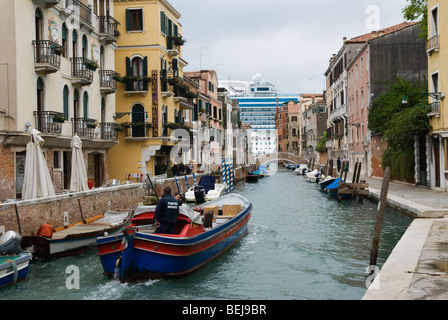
(417, 268)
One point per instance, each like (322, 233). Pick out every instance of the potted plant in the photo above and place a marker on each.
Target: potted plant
(92, 125)
(91, 65)
(59, 118)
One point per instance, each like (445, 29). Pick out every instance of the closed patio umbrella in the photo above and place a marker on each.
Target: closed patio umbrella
(78, 180)
(36, 181)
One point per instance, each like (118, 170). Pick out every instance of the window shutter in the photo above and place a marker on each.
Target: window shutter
(128, 20)
(145, 66)
(128, 73)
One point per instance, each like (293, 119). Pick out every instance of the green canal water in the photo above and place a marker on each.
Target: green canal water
(302, 244)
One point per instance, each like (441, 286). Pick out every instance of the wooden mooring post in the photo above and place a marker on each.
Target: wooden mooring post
(379, 220)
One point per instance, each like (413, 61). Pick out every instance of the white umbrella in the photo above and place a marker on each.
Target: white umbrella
(37, 181)
(78, 180)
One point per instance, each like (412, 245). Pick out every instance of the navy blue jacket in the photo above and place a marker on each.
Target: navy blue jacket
(167, 210)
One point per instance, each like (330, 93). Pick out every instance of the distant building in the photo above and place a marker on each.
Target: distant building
(258, 102)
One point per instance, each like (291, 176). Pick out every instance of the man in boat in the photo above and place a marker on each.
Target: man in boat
(166, 213)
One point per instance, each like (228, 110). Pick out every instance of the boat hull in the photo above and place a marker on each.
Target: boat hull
(14, 268)
(137, 255)
(71, 244)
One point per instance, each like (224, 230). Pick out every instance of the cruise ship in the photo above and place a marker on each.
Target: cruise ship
(258, 101)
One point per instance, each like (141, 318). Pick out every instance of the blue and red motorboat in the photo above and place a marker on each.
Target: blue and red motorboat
(202, 234)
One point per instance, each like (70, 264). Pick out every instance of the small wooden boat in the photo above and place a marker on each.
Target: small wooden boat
(252, 176)
(141, 254)
(76, 238)
(332, 189)
(211, 190)
(326, 182)
(14, 262)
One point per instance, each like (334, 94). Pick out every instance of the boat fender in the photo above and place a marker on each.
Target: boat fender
(118, 262)
(45, 230)
(14, 267)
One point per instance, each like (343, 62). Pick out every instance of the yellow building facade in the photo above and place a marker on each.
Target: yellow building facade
(152, 98)
(437, 49)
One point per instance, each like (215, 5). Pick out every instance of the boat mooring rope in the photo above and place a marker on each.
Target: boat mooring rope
(14, 267)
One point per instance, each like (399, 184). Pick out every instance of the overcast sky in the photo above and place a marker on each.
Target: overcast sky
(289, 42)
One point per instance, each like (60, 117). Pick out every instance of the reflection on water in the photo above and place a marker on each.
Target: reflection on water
(301, 244)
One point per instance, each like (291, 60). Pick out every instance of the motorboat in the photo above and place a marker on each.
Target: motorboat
(325, 182)
(76, 238)
(14, 262)
(301, 169)
(207, 190)
(140, 253)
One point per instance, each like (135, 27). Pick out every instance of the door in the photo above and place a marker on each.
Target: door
(20, 172)
(138, 121)
(436, 146)
(95, 169)
(67, 173)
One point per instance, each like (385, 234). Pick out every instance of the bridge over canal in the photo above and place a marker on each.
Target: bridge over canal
(281, 156)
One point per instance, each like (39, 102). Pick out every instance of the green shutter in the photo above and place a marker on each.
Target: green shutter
(128, 20)
(65, 98)
(162, 21)
(128, 73)
(145, 66)
(86, 105)
(64, 32)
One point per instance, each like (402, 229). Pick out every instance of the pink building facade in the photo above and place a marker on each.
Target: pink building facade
(358, 100)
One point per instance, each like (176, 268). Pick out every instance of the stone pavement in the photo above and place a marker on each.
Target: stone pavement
(417, 268)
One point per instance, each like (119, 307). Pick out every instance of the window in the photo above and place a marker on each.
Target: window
(134, 19)
(56, 160)
(64, 40)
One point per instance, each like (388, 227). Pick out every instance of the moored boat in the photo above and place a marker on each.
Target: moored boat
(49, 242)
(252, 176)
(14, 262)
(211, 190)
(326, 182)
(141, 254)
(332, 189)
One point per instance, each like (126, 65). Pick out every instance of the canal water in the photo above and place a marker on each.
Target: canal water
(302, 244)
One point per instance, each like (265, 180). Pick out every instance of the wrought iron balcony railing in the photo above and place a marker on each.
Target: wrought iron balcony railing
(108, 131)
(49, 121)
(109, 26)
(80, 9)
(84, 127)
(108, 84)
(47, 56)
(82, 70)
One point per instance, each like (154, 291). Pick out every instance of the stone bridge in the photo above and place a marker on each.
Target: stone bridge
(281, 156)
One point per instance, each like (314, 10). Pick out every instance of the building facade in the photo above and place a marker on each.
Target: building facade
(437, 141)
(56, 76)
(153, 99)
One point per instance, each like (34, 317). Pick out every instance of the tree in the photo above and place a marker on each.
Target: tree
(415, 10)
(399, 123)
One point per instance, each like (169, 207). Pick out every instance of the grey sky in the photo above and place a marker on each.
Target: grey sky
(288, 41)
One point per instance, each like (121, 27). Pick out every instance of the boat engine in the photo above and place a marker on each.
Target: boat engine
(199, 194)
(10, 243)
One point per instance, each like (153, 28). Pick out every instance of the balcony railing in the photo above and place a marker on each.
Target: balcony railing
(136, 85)
(81, 70)
(109, 28)
(107, 82)
(108, 131)
(49, 121)
(84, 127)
(432, 44)
(80, 9)
(47, 56)
(435, 108)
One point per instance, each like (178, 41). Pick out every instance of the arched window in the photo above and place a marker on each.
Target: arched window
(85, 105)
(84, 46)
(138, 121)
(64, 39)
(137, 68)
(65, 98)
(74, 44)
(40, 103)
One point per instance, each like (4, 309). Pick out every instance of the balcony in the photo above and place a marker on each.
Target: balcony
(47, 56)
(108, 131)
(47, 3)
(435, 109)
(82, 71)
(49, 122)
(136, 85)
(81, 10)
(108, 29)
(84, 127)
(432, 45)
(108, 84)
